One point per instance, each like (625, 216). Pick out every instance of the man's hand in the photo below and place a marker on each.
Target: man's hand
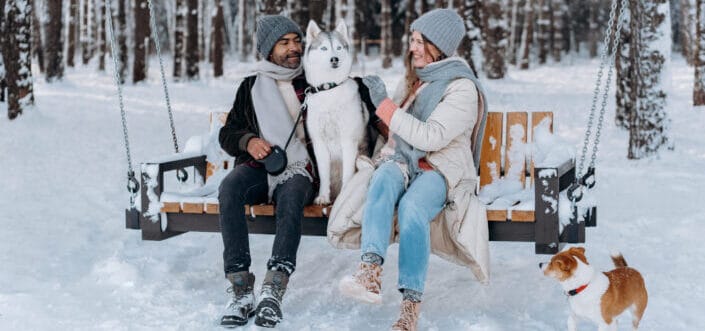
(378, 92)
(258, 148)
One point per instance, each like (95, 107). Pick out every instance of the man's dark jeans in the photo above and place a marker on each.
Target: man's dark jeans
(246, 185)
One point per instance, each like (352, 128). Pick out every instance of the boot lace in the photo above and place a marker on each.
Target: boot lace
(407, 317)
(370, 276)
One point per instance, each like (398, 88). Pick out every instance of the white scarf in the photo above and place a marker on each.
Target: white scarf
(275, 122)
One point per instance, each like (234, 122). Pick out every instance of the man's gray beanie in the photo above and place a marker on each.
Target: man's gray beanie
(272, 27)
(442, 27)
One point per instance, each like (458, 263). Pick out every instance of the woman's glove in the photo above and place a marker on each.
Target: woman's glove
(378, 92)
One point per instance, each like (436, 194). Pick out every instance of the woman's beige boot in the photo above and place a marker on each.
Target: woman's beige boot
(408, 317)
(365, 285)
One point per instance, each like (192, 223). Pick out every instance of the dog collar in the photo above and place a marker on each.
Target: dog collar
(322, 87)
(577, 290)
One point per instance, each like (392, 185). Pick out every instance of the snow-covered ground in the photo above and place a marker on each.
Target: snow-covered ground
(68, 263)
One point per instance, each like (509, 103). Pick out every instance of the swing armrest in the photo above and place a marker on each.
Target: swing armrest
(565, 172)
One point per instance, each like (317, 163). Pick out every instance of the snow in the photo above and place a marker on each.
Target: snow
(69, 263)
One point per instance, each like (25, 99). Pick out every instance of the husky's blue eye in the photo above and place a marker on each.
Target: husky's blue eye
(339, 48)
(324, 48)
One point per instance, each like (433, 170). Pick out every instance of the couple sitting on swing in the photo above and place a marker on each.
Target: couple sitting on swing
(426, 171)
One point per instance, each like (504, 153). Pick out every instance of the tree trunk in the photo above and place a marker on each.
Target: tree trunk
(626, 96)
(527, 35)
(274, 7)
(558, 12)
(192, 40)
(699, 86)
(386, 34)
(544, 29)
(179, 30)
(72, 32)
(54, 42)
(648, 129)
(142, 31)
(397, 21)
(86, 41)
(495, 39)
(472, 32)
(122, 39)
(218, 39)
(441, 4)
(593, 28)
(513, 12)
(300, 13)
(37, 44)
(101, 35)
(411, 16)
(3, 33)
(316, 9)
(688, 38)
(18, 45)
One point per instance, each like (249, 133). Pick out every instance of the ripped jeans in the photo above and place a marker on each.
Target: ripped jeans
(418, 205)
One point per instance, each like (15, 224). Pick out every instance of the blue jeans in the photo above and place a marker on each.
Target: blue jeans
(418, 206)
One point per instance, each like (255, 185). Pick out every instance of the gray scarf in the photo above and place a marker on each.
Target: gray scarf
(275, 122)
(438, 75)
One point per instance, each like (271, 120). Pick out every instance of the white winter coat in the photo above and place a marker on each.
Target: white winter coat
(459, 233)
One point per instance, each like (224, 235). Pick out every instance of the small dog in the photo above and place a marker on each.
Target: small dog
(598, 296)
(336, 120)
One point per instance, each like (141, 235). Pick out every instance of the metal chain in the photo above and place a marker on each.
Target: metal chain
(132, 184)
(155, 37)
(603, 61)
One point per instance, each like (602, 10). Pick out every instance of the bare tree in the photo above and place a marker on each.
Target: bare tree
(543, 24)
(593, 27)
(626, 96)
(274, 7)
(37, 40)
(465, 9)
(527, 34)
(649, 125)
(54, 42)
(316, 9)
(141, 40)
(86, 36)
(495, 39)
(72, 32)
(386, 34)
(192, 40)
(699, 86)
(218, 39)
(179, 32)
(3, 33)
(558, 9)
(18, 62)
(122, 38)
(101, 36)
(687, 33)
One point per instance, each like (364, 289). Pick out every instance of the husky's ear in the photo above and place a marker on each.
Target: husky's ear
(342, 28)
(312, 31)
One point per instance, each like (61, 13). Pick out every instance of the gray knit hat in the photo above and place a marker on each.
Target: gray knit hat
(272, 27)
(443, 27)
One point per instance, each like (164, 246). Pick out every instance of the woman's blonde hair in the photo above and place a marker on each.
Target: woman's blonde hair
(411, 78)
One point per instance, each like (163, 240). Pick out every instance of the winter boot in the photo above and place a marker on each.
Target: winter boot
(269, 311)
(365, 285)
(241, 305)
(408, 316)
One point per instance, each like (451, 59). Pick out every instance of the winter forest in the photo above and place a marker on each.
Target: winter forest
(73, 71)
(198, 35)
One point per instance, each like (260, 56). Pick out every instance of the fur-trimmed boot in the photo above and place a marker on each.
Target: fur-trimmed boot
(408, 317)
(365, 285)
(241, 305)
(269, 313)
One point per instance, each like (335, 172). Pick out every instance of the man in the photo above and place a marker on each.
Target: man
(265, 109)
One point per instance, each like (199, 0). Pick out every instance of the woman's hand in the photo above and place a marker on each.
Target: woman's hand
(378, 92)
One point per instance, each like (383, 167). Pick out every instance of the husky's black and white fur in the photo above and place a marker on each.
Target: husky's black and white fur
(336, 120)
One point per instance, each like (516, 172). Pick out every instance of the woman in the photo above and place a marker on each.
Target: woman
(426, 165)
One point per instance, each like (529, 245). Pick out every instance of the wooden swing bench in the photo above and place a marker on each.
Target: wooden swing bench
(536, 221)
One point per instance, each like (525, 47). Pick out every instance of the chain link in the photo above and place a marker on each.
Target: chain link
(155, 37)
(132, 185)
(603, 106)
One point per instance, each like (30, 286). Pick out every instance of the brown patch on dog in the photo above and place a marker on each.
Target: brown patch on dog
(563, 264)
(626, 288)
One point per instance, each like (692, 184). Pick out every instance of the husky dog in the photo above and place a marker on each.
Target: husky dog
(335, 120)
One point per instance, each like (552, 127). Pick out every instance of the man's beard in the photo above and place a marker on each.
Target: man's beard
(291, 60)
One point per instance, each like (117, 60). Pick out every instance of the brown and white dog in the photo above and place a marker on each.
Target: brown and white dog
(598, 296)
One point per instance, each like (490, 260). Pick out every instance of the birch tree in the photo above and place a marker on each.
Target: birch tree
(699, 58)
(54, 42)
(386, 34)
(179, 33)
(86, 36)
(544, 29)
(192, 40)
(18, 62)
(558, 13)
(122, 39)
(649, 125)
(527, 35)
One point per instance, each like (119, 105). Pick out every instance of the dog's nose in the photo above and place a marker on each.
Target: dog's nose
(541, 265)
(334, 60)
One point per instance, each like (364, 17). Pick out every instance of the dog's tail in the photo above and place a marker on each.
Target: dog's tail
(618, 260)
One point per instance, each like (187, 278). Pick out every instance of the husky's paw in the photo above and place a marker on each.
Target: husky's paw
(322, 200)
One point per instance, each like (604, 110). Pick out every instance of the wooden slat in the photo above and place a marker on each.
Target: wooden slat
(523, 216)
(491, 153)
(212, 208)
(316, 211)
(536, 118)
(260, 210)
(192, 208)
(515, 118)
(171, 207)
(496, 215)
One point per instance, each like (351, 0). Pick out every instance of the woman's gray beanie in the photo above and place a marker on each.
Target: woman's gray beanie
(272, 27)
(443, 27)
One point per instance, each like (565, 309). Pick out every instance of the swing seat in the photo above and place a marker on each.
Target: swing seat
(164, 214)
